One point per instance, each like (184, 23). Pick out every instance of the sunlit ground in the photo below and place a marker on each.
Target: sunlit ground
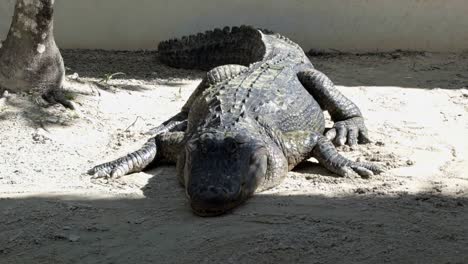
(415, 108)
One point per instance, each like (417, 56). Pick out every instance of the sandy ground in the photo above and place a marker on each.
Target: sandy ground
(416, 108)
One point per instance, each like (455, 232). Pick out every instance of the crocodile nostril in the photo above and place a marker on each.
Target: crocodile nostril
(213, 190)
(203, 189)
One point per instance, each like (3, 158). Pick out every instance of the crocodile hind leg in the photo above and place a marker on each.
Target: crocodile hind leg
(301, 145)
(349, 125)
(161, 148)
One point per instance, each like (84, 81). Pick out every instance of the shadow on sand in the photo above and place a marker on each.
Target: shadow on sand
(140, 65)
(422, 228)
(413, 69)
(399, 68)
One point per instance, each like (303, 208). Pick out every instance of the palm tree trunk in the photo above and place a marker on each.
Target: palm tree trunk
(29, 58)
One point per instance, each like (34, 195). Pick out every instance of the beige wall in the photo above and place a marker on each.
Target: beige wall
(358, 25)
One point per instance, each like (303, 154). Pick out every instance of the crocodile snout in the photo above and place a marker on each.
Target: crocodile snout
(212, 200)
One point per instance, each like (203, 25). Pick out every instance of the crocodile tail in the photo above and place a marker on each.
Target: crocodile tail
(237, 45)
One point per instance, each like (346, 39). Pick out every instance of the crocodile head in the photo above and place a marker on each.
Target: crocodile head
(222, 170)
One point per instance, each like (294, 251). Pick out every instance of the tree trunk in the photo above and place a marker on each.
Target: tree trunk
(29, 58)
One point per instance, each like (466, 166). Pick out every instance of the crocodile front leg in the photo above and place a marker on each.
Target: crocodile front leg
(301, 145)
(165, 145)
(349, 124)
(327, 155)
(161, 148)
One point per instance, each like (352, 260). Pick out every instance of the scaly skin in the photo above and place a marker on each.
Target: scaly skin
(256, 115)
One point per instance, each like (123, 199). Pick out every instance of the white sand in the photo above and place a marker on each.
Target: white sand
(416, 212)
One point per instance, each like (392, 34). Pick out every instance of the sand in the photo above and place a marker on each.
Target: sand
(416, 109)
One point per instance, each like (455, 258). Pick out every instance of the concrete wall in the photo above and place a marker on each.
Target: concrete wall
(357, 25)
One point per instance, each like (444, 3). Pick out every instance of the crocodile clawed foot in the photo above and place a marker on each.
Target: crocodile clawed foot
(100, 172)
(325, 152)
(359, 169)
(109, 170)
(133, 162)
(351, 132)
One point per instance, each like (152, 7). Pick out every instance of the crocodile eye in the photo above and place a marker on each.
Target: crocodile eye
(241, 138)
(208, 145)
(231, 145)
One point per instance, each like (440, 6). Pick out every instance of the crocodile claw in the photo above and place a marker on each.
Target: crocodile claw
(351, 131)
(106, 170)
(360, 169)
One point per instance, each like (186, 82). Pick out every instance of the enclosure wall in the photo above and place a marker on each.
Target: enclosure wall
(357, 25)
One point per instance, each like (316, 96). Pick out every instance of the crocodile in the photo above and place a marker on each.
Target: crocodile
(256, 114)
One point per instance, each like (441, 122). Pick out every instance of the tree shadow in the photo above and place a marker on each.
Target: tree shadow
(140, 65)
(269, 228)
(421, 228)
(309, 167)
(400, 68)
(142, 70)
(165, 177)
(133, 87)
(414, 69)
(36, 112)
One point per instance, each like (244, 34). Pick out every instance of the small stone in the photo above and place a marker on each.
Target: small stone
(41, 48)
(5, 94)
(59, 236)
(395, 55)
(346, 148)
(53, 120)
(95, 228)
(464, 92)
(360, 191)
(409, 162)
(73, 238)
(39, 138)
(380, 143)
(74, 76)
(72, 207)
(136, 221)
